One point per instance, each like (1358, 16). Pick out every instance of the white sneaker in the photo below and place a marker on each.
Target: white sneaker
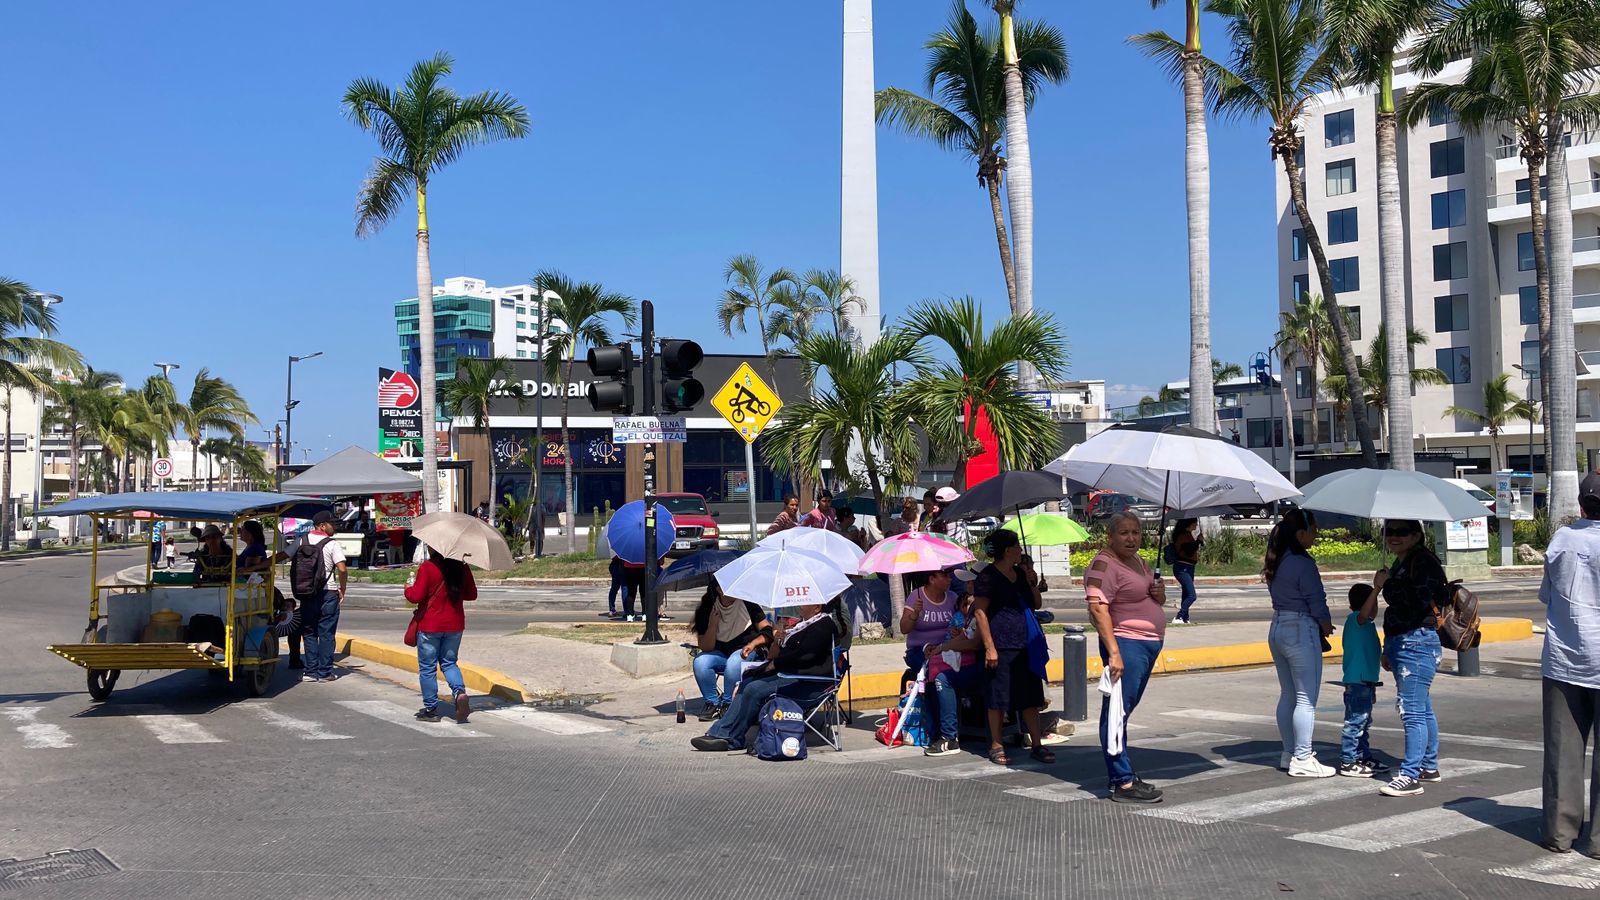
(1310, 767)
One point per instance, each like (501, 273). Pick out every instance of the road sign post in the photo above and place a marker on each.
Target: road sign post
(749, 405)
(647, 359)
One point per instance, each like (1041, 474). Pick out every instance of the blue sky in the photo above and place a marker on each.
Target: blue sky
(182, 173)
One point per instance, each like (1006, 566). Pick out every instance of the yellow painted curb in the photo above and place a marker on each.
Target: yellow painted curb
(886, 685)
(478, 679)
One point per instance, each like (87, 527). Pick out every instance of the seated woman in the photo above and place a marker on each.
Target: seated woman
(254, 557)
(805, 649)
(213, 562)
(946, 678)
(728, 632)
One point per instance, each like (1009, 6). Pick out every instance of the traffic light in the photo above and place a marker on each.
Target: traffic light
(680, 390)
(614, 364)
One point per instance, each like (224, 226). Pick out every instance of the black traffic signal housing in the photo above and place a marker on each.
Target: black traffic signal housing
(612, 388)
(680, 390)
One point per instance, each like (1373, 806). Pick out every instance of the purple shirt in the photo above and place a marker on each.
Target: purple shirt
(933, 622)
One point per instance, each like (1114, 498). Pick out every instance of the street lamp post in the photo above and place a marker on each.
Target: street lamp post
(34, 543)
(289, 403)
(1528, 377)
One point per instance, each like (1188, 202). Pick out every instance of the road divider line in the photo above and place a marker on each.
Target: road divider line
(553, 723)
(37, 735)
(395, 714)
(306, 728)
(1473, 740)
(1408, 829)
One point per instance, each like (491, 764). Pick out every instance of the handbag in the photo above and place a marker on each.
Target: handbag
(416, 619)
(1038, 646)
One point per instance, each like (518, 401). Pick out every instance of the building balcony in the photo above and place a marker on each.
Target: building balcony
(1586, 311)
(1513, 206)
(1586, 253)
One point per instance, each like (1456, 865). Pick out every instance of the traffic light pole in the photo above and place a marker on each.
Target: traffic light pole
(647, 360)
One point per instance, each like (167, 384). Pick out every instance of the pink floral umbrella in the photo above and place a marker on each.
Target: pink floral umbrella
(913, 551)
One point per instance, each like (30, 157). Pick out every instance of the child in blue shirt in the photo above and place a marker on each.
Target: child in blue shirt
(1361, 652)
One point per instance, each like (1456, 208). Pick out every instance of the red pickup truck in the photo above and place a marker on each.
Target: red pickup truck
(697, 528)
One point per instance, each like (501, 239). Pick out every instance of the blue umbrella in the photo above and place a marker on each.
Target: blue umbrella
(695, 570)
(625, 532)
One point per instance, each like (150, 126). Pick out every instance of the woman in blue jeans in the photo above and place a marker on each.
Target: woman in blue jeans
(1411, 587)
(1183, 552)
(728, 632)
(439, 588)
(1300, 620)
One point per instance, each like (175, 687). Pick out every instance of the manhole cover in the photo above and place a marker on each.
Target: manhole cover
(62, 865)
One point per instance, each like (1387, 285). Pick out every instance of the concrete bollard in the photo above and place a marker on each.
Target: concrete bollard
(1467, 663)
(1075, 675)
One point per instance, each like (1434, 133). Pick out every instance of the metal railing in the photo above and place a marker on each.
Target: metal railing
(1522, 196)
(1584, 245)
(1513, 149)
(1586, 301)
(1591, 359)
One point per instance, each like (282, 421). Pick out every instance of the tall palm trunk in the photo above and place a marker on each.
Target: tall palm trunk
(74, 446)
(566, 453)
(1561, 376)
(992, 182)
(1534, 153)
(1391, 264)
(1019, 178)
(1288, 425)
(1341, 333)
(6, 523)
(494, 501)
(427, 366)
(194, 463)
(1197, 192)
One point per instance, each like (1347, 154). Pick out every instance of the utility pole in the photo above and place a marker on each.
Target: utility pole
(289, 403)
(647, 360)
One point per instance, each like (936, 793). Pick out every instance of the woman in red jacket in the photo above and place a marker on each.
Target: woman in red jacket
(439, 588)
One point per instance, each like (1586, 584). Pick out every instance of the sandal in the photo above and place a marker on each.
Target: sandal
(997, 755)
(1044, 755)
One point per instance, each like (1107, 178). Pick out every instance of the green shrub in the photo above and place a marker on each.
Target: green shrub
(1535, 532)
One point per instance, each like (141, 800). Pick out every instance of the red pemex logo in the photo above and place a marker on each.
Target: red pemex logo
(397, 390)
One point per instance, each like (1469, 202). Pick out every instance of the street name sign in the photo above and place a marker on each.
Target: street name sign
(649, 430)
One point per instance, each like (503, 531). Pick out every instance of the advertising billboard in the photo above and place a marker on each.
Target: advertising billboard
(399, 415)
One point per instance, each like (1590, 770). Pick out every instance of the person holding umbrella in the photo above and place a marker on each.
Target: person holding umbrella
(805, 648)
(727, 631)
(1001, 593)
(1412, 587)
(438, 589)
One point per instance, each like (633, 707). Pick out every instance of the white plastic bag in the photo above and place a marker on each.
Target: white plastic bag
(1116, 715)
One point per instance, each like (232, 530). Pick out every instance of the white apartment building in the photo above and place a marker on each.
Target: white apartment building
(518, 312)
(1469, 264)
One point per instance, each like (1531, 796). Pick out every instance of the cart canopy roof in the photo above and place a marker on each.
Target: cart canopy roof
(353, 472)
(204, 506)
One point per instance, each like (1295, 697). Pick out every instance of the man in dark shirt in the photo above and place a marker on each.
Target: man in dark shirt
(805, 649)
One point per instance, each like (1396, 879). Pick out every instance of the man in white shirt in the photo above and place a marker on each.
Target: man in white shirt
(319, 611)
(1571, 668)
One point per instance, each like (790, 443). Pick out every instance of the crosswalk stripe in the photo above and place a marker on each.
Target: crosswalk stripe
(306, 728)
(37, 735)
(1302, 792)
(1427, 825)
(1182, 773)
(963, 771)
(1473, 740)
(1571, 870)
(554, 723)
(173, 729)
(395, 714)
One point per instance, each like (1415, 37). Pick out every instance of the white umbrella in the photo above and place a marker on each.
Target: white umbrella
(831, 545)
(1390, 494)
(1182, 468)
(779, 578)
(467, 538)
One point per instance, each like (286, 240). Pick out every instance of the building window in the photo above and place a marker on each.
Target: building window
(1528, 305)
(1346, 274)
(1297, 244)
(1447, 157)
(1352, 320)
(1439, 114)
(1341, 177)
(522, 354)
(1302, 383)
(1530, 359)
(1258, 431)
(1455, 363)
(1450, 209)
(1342, 227)
(1300, 289)
(1450, 313)
(1339, 128)
(1524, 194)
(1525, 252)
(1450, 261)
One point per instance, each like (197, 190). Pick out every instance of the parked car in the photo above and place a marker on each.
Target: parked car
(1478, 493)
(1107, 505)
(696, 526)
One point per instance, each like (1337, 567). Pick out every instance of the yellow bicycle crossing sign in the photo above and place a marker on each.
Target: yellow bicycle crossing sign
(747, 402)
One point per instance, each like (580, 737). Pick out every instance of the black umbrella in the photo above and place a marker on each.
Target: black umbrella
(1005, 493)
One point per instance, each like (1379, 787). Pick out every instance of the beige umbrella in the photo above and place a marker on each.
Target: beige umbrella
(467, 538)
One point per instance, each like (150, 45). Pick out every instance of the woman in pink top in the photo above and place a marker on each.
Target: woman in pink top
(1125, 602)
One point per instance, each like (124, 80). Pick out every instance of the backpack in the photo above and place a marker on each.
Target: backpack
(1458, 619)
(308, 570)
(781, 730)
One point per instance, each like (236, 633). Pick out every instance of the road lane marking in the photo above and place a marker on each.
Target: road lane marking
(173, 729)
(395, 714)
(307, 729)
(553, 723)
(1181, 774)
(37, 735)
(1573, 870)
(1300, 793)
(1215, 715)
(1454, 818)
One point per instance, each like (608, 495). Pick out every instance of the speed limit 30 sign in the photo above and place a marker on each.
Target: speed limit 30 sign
(161, 467)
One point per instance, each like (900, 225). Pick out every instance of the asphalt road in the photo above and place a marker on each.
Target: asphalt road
(179, 788)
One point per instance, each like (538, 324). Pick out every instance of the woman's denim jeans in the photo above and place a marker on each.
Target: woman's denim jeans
(710, 664)
(1184, 573)
(436, 651)
(1295, 641)
(1414, 659)
(1138, 661)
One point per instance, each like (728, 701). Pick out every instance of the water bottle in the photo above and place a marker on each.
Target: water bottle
(681, 719)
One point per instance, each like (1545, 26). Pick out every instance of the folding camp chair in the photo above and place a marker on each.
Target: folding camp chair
(818, 695)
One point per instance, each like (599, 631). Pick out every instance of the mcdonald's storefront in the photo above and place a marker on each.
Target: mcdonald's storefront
(710, 463)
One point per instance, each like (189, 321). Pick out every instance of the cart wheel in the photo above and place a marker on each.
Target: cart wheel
(258, 679)
(101, 682)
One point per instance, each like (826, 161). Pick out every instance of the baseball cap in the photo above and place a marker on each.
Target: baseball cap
(1590, 485)
(945, 494)
(323, 517)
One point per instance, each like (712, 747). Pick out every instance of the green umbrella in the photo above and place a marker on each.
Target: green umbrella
(1047, 530)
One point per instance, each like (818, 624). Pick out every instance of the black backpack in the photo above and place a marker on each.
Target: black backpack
(308, 570)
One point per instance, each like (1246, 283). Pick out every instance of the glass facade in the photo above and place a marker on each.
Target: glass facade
(463, 327)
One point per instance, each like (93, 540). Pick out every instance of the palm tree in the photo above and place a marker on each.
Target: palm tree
(1280, 64)
(422, 127)
(1302, 336)
(1221, 371)
(78, 402)
(584, 308)
(753, 293)
(166, 417)
(860, 407)
(1371, 32)
(1185, 61)
(1019, 184)
(1528, 70)
(985, 375)
(966, 72)
(1500, 405)
(1375, 379)
(477, 383)
(25, 363)
(213, 405)
(824, 293)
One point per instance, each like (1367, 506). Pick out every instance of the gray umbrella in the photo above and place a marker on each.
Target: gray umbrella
(1390, 494)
